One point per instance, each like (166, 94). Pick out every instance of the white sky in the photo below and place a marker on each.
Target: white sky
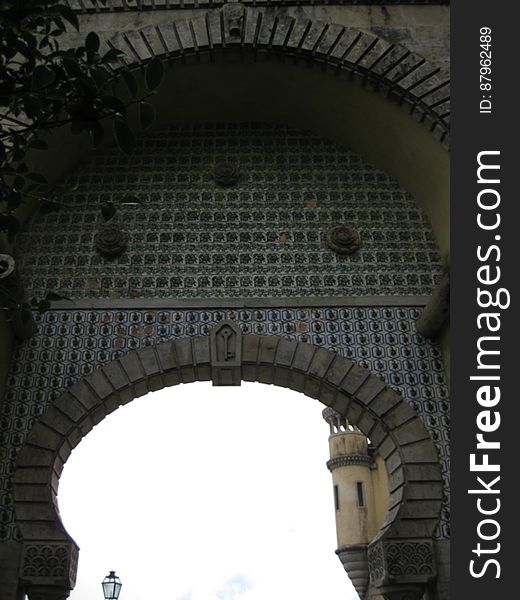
(205, 493)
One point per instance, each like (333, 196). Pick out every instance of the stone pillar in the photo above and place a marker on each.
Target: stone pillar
(10, 553)
(436, 313)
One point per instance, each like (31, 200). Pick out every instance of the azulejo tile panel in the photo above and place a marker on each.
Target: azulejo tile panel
(263, 237)
(70, 343)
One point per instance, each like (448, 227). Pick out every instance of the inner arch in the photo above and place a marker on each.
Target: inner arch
(231, 482)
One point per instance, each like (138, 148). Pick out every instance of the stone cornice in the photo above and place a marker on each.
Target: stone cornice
(87, 6)
(350, 460)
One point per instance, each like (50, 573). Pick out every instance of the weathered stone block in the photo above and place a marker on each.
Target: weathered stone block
(57, 420)
(303, 357)
(312, 387)
(250, 348)
(328, 394)
(166, 356)
(396, 479)
(264, 374)
(99, 383)
(85, 394)
(116, 375)
(366, 423)
(369, 389)
(384, 401)
(422, 451)
(321, 362)
(420, 509)
(44, 437)
(200, 350)
(386, 447)
(313, 35)
(149, 361)
(423, 490)
(338, 370)
(35, 457)
(410, 432)
(132, 367)
(354, 412)
(327, 41)
(354, 379)
(399, 414)
(200, 32)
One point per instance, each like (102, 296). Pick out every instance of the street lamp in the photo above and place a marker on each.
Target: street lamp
(111, 586)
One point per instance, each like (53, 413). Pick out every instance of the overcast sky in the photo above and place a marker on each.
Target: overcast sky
(204, 493)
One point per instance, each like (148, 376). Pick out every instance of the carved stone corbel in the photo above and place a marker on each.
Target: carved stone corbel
(400, 569)
(48, 569)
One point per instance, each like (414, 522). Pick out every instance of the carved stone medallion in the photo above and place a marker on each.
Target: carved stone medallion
(343, 239)
(226, 174)
(111, 242)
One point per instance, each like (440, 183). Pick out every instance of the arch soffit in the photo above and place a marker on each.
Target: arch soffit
(415, 482)
(374, 63)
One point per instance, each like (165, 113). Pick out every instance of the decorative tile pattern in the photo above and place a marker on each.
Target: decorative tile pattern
(69, 344)
(265, 237)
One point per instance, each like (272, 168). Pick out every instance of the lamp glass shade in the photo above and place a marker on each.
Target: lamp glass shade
(111, 586)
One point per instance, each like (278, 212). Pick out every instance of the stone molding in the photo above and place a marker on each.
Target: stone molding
(346, 461)
(395, 430)
(389, 69)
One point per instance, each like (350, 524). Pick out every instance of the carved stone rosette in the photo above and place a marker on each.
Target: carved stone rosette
(226, 174)
(343, 240)
(399, 570)
(111, 242)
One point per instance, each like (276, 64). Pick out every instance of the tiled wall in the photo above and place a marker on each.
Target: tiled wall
(263, 237)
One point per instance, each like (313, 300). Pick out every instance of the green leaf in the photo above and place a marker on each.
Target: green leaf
(108, 210)
(18, 183)
(92, 44)
(130, 81)
(72, 66)
(32, 105)
(42, 77)
(112, 55)
(146, 114)
(100, 76)
(114, 103)
(154, 73)
(68, 14)
(124, 137)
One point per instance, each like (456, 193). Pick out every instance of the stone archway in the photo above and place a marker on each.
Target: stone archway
(401, 556)
(387, 68)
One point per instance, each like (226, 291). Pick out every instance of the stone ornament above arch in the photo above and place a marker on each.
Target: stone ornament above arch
(227, 357)
(374, 63)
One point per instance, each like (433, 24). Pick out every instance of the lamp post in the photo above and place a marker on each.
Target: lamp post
(111, 586)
